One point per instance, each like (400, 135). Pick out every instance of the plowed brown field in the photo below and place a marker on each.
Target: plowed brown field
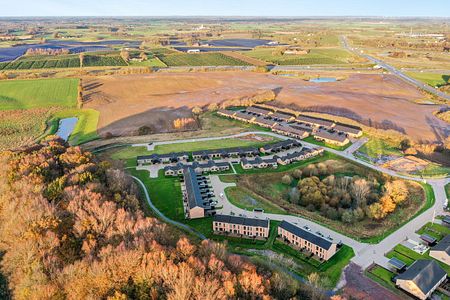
(130, 101)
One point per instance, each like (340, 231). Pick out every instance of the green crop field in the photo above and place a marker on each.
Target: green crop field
(432, 79)
(92, 60)
(42, 62)
(315, 56)
(200, 59)
(26, 94)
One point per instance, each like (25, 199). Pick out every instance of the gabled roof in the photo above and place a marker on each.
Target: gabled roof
(160, 156)
(242, 221)
(424, 273)
(282, 116)
(258, 111)
(306, 235)
(317, 121)
(265, 121)
(244, 116)
(281, 144)
(226, 112)
(443, 245)
(192, 189)
(347, 128)
(331, 135)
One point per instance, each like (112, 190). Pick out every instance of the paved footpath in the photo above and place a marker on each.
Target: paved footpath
(365, 254)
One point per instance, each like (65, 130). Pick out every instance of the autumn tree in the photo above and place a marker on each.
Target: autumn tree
(197, 110)
(125, 55)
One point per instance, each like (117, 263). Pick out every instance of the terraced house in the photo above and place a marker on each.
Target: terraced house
(303, 239)
(208, 166)
(441, 251)
(421, 279)
(331, 137)
(241, 226)
(162, 158)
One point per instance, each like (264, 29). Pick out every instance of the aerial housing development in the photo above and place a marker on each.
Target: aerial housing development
(209, 153)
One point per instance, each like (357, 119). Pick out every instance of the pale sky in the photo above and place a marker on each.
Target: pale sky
(389, 8)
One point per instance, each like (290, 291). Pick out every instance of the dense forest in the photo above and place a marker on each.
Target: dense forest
(71, 227)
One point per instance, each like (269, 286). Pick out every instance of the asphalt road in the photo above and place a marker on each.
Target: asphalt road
(395, 71)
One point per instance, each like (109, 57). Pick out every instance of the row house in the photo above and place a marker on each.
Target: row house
(317, 122)
(303, 239)
(266, 123)
(290, 131)
(278, 116)
(241, 226)
(352, 131)
(258, 111)
(332, 137)
(209, 166)
(162, 158)
(259, 163)
(280, 146)
(193, 196)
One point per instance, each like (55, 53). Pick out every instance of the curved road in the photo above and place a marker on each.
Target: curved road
(365, 254)
(395, 71)
(162, 216)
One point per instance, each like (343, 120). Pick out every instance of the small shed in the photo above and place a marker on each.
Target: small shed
(397, 264)
(428, 239)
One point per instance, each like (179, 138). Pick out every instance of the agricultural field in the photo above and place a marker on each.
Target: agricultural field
(200, 59)
(109, 59)
(42, 62)
(314, 57)
(376, 147)
(41, 93)
(128, 102)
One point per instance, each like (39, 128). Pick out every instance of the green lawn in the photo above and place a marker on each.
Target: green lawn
(432, 79)
(438, 231)
(376, 147)
(410, 255)
(38, 93)
(433, 169)
(382, 276)
(86, 128)
(447, 190)
(245, 199)
(165, 194)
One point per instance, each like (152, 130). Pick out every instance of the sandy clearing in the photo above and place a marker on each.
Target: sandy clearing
(130, 101)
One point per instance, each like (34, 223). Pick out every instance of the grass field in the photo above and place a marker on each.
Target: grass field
(382, 276)
(86, 128)
(247, 200)
(376, 147)
(40, 93)
(433, 79)
(200, 59)
(21, 127)
(315, 56)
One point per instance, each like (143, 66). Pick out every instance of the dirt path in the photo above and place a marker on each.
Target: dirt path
(359, 286)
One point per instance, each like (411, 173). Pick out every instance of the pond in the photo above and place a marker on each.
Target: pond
(66, 127)
(323, 79)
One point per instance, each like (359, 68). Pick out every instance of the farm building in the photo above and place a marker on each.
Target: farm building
(331, 137)
(303, 239)
(421, 278)
(241, 226)
(441, 251)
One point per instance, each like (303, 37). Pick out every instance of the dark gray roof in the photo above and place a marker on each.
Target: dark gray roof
(446, 219)
(318, 121)
(226, 112)
(281, 144)
(347, 128)
(160, 156)
(257, 110)
(283, 116)
(331, 135)
(241, 221)
(427, 238)
(443, 245)
(306, 235)
(192, 189)
(244, 116)
(424, 273)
